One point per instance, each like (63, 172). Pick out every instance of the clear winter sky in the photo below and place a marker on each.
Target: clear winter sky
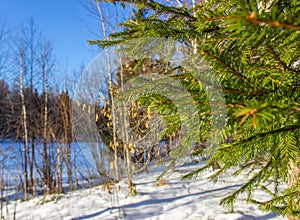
(63, 22)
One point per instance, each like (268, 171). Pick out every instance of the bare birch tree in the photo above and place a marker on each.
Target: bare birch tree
(45, 63)
(24, 117)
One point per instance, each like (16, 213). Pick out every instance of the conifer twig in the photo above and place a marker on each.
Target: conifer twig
(231, 69)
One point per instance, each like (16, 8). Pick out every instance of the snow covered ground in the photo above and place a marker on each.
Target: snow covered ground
(194, 199)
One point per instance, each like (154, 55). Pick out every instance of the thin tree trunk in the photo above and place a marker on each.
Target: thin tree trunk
(194, 41)
(67, 159)
(124, 128)
(47, 170)
(59, 156)
(32, 62)
(59, 167)
(74, 149)
(32, 163)
(67, 151)
(2, 190)
(116, 159)
(294, 178)
(25, 135)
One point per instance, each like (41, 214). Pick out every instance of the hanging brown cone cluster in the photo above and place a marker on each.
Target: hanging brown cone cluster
(138, 115)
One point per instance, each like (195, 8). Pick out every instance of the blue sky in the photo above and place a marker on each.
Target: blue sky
(63, 22)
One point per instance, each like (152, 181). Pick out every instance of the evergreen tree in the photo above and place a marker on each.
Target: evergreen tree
(253, 47)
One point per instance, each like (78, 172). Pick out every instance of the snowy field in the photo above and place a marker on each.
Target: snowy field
(194, 199)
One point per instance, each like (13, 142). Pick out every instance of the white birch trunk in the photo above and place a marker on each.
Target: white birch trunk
(24, 122)
(116, 159)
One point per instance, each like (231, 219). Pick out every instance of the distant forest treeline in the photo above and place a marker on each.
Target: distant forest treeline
(59, 121)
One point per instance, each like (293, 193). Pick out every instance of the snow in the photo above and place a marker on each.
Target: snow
(176, 200)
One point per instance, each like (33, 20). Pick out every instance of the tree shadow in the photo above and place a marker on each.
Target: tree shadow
(264, 217)
(93, 215)
(157, 201)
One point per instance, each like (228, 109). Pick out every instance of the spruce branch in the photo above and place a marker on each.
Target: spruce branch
(289, 128)
(252, 18)
(196, 172)
(231, 69)
(279, 203)
(156, 6)
(253, 181)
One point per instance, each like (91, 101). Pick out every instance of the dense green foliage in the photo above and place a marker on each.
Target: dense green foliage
(254, 49)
